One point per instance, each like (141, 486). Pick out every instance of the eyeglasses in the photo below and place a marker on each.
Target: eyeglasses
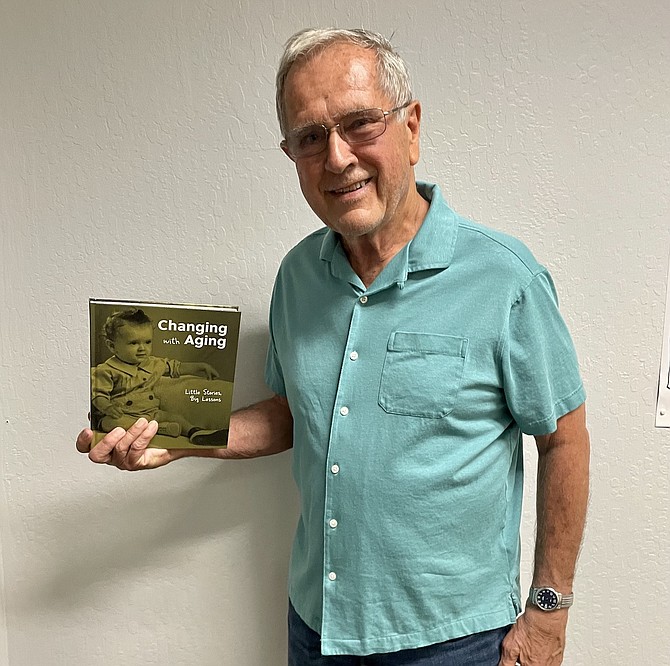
(355, 127)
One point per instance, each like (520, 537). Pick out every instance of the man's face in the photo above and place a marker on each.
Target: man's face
(133, 343)
(363, 188)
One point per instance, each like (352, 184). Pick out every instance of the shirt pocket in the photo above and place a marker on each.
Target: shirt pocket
(422, 374)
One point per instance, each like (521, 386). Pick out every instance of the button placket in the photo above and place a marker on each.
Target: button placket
(344, 416)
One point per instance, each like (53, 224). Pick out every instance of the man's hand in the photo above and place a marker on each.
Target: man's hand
(262, 429)
(126, 449)
(537, 639)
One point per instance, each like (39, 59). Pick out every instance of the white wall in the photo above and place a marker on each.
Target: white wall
(138, 159)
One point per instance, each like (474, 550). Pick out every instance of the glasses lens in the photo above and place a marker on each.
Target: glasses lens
(307, 141)
(363, 125)
(355, 127)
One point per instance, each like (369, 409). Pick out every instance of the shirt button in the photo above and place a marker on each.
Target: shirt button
(335, 469)
(344, 411)
(353, 356)
(363, 300)
(332, 575)
(333, 523)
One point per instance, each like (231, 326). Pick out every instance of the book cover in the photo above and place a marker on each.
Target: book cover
(174, 363)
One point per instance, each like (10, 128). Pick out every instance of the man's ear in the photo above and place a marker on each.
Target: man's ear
(284, 147)
(413, 123)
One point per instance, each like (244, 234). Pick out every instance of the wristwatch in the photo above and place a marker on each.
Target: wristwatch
(547, 599)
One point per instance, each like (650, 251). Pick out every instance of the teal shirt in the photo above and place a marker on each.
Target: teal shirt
(409, 399)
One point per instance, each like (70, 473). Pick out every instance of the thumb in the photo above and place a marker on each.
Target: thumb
(84, 440)
(510, 650)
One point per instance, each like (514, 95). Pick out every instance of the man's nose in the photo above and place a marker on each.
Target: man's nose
(338, 152)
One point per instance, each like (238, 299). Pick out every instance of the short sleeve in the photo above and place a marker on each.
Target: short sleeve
(273, 374)
(539, 363)
(274, 377)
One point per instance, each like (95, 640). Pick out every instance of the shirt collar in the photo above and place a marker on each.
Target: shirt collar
(434, 243)
(126, 368)
(432, 247)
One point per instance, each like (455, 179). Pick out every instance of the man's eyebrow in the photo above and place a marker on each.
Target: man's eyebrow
(300, 128)
(336, 120)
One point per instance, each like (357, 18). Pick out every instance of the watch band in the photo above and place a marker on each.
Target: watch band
(548, 599)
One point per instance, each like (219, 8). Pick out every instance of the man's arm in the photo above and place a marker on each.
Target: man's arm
(538, 637)
(259, 430)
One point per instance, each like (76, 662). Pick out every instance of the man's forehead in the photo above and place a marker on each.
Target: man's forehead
(342, 77)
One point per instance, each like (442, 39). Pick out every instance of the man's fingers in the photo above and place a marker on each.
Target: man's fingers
(139, 444)
(103, 450)
(510, 651)
(122, 448)
(123, 445)
(140, 434)
(136, 438)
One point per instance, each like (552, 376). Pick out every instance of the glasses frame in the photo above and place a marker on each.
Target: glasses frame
(336, 126)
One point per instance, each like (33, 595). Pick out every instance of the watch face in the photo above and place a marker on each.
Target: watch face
(547, 599)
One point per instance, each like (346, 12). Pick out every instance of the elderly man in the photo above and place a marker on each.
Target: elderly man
(409, 350)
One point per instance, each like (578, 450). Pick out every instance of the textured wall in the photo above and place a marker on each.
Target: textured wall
(138, 159)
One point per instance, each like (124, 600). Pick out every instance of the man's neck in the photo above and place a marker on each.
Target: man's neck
(369, 254)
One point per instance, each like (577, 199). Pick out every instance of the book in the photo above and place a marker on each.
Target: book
(172, 362)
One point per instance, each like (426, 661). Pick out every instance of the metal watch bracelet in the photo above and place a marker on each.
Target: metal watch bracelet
(548, 599)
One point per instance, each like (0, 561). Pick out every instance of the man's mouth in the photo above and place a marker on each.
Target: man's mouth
(351, 188)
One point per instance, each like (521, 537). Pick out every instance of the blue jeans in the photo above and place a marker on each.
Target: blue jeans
(483, 649)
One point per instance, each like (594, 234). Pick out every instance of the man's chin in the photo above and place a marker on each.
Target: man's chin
(354, 226)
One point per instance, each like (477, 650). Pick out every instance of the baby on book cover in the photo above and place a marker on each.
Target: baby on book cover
(173, 363)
